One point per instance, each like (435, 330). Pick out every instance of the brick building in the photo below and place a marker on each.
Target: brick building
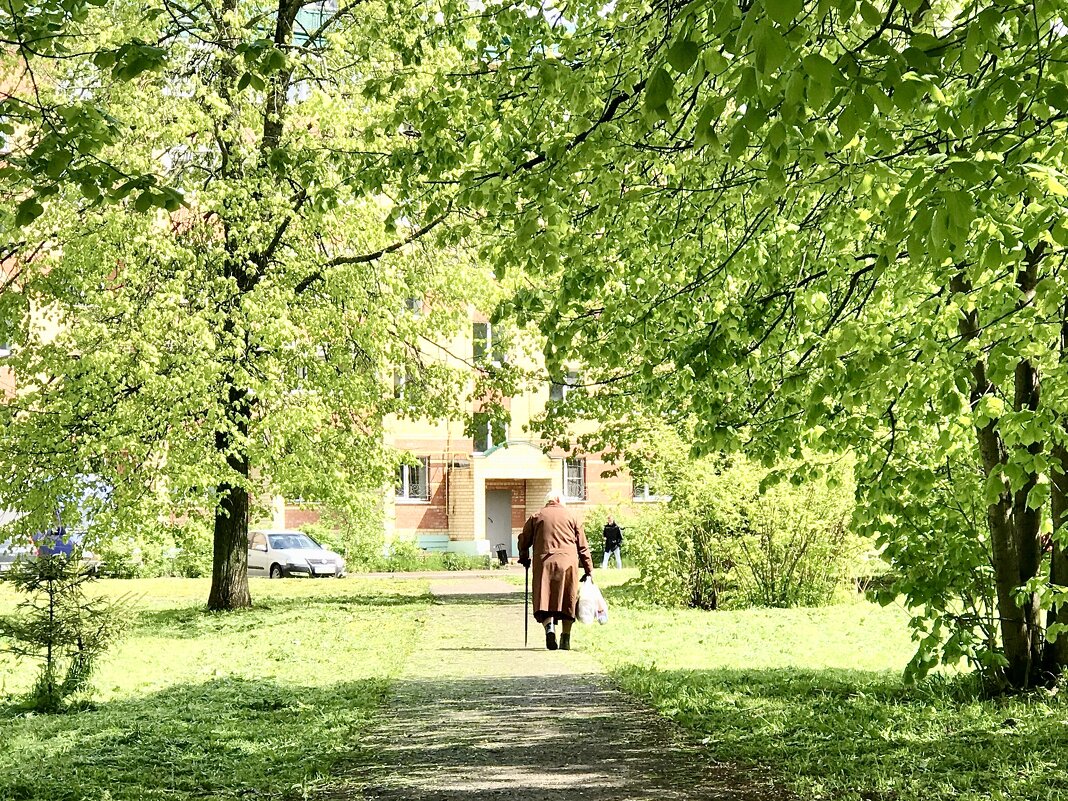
(466, 494)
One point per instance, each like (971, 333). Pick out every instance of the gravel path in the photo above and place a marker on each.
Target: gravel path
(477, 717)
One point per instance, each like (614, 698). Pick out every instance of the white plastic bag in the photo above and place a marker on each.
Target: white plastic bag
(591, 604)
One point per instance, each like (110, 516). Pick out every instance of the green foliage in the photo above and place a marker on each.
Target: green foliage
(59, 626)
(726, 541)
(834, 227)
(357, 532)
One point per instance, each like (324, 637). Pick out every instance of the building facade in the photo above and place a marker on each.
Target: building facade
(471, 495)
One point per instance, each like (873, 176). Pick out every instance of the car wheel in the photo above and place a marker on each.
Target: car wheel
(276, 571)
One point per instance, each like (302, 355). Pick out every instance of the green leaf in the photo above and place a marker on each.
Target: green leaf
(771, 49)
(144, 201)
(28, 211)
(58, 163)
(739, 141)
(784, 11)
(848, 124)
(703, 131)
(871, 15)
(1057, 96)
(659, 89)
(683, 54)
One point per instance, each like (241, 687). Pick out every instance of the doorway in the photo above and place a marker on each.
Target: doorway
(499, 519)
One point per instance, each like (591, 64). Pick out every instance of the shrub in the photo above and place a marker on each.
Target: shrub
(459, 561)
(356, 532)
(59, 626)
(405, 557)
(724, 540)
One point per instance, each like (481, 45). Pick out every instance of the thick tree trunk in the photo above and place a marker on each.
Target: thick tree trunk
(1056, 656)
(229, 574)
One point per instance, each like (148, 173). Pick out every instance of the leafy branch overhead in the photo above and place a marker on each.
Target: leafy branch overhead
(805, 225)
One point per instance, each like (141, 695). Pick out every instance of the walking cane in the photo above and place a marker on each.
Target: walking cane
(526, 605)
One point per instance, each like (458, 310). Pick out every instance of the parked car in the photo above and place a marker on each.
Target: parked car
(50, 543)
(10, 552)
(61, 543)
(275, 554)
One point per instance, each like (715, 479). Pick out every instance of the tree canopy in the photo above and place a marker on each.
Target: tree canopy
(226, 326)
(825, 225)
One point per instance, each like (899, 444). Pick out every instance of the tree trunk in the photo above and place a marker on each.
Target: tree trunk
(1014, 545)
(229, 574)
(1056, 656)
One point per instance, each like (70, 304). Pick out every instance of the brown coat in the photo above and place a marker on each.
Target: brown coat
(559, 545)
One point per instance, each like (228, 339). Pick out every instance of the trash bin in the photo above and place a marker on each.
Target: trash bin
(502, 553)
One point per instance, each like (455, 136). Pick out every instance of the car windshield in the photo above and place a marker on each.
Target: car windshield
(285, 542)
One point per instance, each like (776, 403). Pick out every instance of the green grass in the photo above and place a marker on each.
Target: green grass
(816, 696)
(267, 703)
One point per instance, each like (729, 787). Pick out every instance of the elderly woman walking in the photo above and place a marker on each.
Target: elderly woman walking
(559, 546)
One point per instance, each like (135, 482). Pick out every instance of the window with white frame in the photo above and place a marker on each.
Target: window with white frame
(403, 377)
(575, 479)
(488, 432)
(310, 19)
(559, 390)
(487, 347)
(645, 489)
(413, 480)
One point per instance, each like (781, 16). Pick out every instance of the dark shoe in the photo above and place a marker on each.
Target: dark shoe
(565, 642)
(550, 640)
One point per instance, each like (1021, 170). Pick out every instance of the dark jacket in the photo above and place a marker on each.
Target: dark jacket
(613, 536)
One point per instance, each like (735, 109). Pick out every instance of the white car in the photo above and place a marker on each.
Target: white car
(275, 554)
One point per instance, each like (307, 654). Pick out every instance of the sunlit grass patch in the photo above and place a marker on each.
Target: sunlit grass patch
(266, 702)
(816, 695)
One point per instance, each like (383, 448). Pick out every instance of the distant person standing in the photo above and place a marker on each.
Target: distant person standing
(559, 547)
(613, 543)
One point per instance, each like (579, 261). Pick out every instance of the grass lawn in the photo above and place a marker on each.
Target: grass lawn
(264, 703)
(816, 696)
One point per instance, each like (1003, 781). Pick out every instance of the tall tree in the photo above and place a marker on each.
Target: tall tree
(833, 225)
(242, 344)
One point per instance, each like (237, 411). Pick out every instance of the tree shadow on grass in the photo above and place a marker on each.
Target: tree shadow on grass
(228, 738)
(860, 735)
(480, 599)
(191, 621)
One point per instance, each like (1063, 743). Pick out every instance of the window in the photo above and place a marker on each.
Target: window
(413, 480)
(5, 350)
(414, 305)
(559, 391)
(259, 542)
(310, 18)
(402, 377)
(644, 489)
(575, 479)
(488, 432)
(486, 346)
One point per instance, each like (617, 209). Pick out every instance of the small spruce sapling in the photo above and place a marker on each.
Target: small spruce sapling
(60, 626)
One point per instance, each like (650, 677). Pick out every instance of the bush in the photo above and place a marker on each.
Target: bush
(357, 533)
(724, 541)
(459, 561)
